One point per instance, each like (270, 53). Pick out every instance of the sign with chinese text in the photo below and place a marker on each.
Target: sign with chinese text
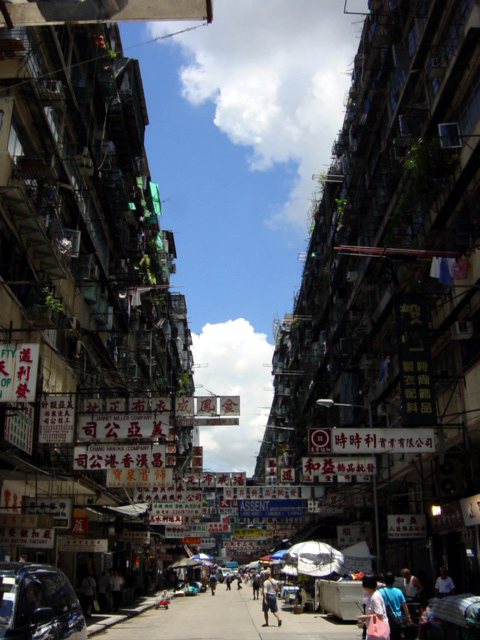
(391, 440)
(57, 415)
(249, 534)
(111, 456)
(270, 508)
(111, 427)
(319, 440)
(471, 510)
(19, 426)
(324, 467)
(23, 537)
(60, 510)
(21, 520)
(286, 475)
(140, 478)
(83, 544)
(18, 372)
(417, 386)
(176, 509)
(190, 540)
(350, 534)
(136, 537)
(451, 518)
(407, 526)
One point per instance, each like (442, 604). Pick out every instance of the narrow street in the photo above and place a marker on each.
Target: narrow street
(228, 615)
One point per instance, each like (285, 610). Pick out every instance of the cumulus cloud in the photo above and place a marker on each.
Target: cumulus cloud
(235, 356)
(277, 72)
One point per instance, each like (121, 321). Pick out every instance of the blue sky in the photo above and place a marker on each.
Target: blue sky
(242, 113)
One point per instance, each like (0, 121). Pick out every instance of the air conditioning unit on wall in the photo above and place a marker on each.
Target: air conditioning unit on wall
(462, 330)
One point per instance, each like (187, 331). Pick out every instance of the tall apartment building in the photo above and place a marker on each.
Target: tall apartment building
(386, 320)
(85, 265)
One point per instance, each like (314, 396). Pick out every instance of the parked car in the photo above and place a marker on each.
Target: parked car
(37, 601)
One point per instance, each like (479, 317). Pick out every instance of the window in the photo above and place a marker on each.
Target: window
(31, 599)
(15, 147)
(60, 595)
(470, 106)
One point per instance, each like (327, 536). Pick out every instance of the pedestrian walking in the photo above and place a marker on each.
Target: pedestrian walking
(117, 588)
(239, 581)
(395, 604)
(228, 581)
(89, 593)
(256, 586)
(212, 582)
(375, 606)
(269, 600)
(102, 591)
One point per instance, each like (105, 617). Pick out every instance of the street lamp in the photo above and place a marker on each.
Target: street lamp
(328, 403)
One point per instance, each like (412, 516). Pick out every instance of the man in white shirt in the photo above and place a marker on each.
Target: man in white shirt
(444, 585)
(269, 600)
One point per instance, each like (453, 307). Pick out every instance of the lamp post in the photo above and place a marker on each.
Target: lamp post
(328, 403)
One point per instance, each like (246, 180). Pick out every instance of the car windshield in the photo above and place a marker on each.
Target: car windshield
(7, 598)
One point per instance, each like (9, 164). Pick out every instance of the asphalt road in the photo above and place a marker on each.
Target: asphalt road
(229, 615)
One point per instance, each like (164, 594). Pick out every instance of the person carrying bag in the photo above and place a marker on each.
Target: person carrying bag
(375, 616)
(396, 607)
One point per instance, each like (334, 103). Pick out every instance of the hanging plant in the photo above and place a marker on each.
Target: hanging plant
(53, 305)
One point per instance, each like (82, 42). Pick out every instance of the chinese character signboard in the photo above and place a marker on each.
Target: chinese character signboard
(18, 372)
(111, 427)
(350, 534)
(145, 478)
(57, 415)
(60, 509)
(86, 545)
(416, 375)
(109, 456)
(326, 467)
(19, 426)
(392, 440)
(19, 537)
(407, 526)
(451, 518)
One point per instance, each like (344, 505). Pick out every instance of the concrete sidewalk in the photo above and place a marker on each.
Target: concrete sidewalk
(99, 622)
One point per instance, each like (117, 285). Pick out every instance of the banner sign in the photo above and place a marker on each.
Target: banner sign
(83, 544)
(41, 12)
(451, 518)
(270, 508)
(110, 456)
(22, 537)
(59, 509)
(111, 427)
(249, 534)
(471, 510)
(350, 534)
(209, 527)
(393, 440)
(417, 388)
(167, 520)
(327, 466)
(407, 526)
(142, 479)
(57, 419)
(23, 520)
(19, 426)
(176, 509)
(18, 372)
(136, 537)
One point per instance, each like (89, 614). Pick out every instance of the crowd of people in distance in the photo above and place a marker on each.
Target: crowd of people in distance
(109, 592)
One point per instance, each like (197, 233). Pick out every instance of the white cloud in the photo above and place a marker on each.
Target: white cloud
(235, 356)
(277, 72)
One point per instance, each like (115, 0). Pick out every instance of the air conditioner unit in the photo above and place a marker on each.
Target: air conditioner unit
(352, 276)
(462, 330)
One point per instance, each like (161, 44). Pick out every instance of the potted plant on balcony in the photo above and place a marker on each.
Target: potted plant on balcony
(44, 314)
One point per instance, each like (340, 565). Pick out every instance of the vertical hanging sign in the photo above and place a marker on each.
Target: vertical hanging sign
(18, 372)
(416, 375)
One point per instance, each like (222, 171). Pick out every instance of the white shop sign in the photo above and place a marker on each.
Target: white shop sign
(98, 545)
(110, 456)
